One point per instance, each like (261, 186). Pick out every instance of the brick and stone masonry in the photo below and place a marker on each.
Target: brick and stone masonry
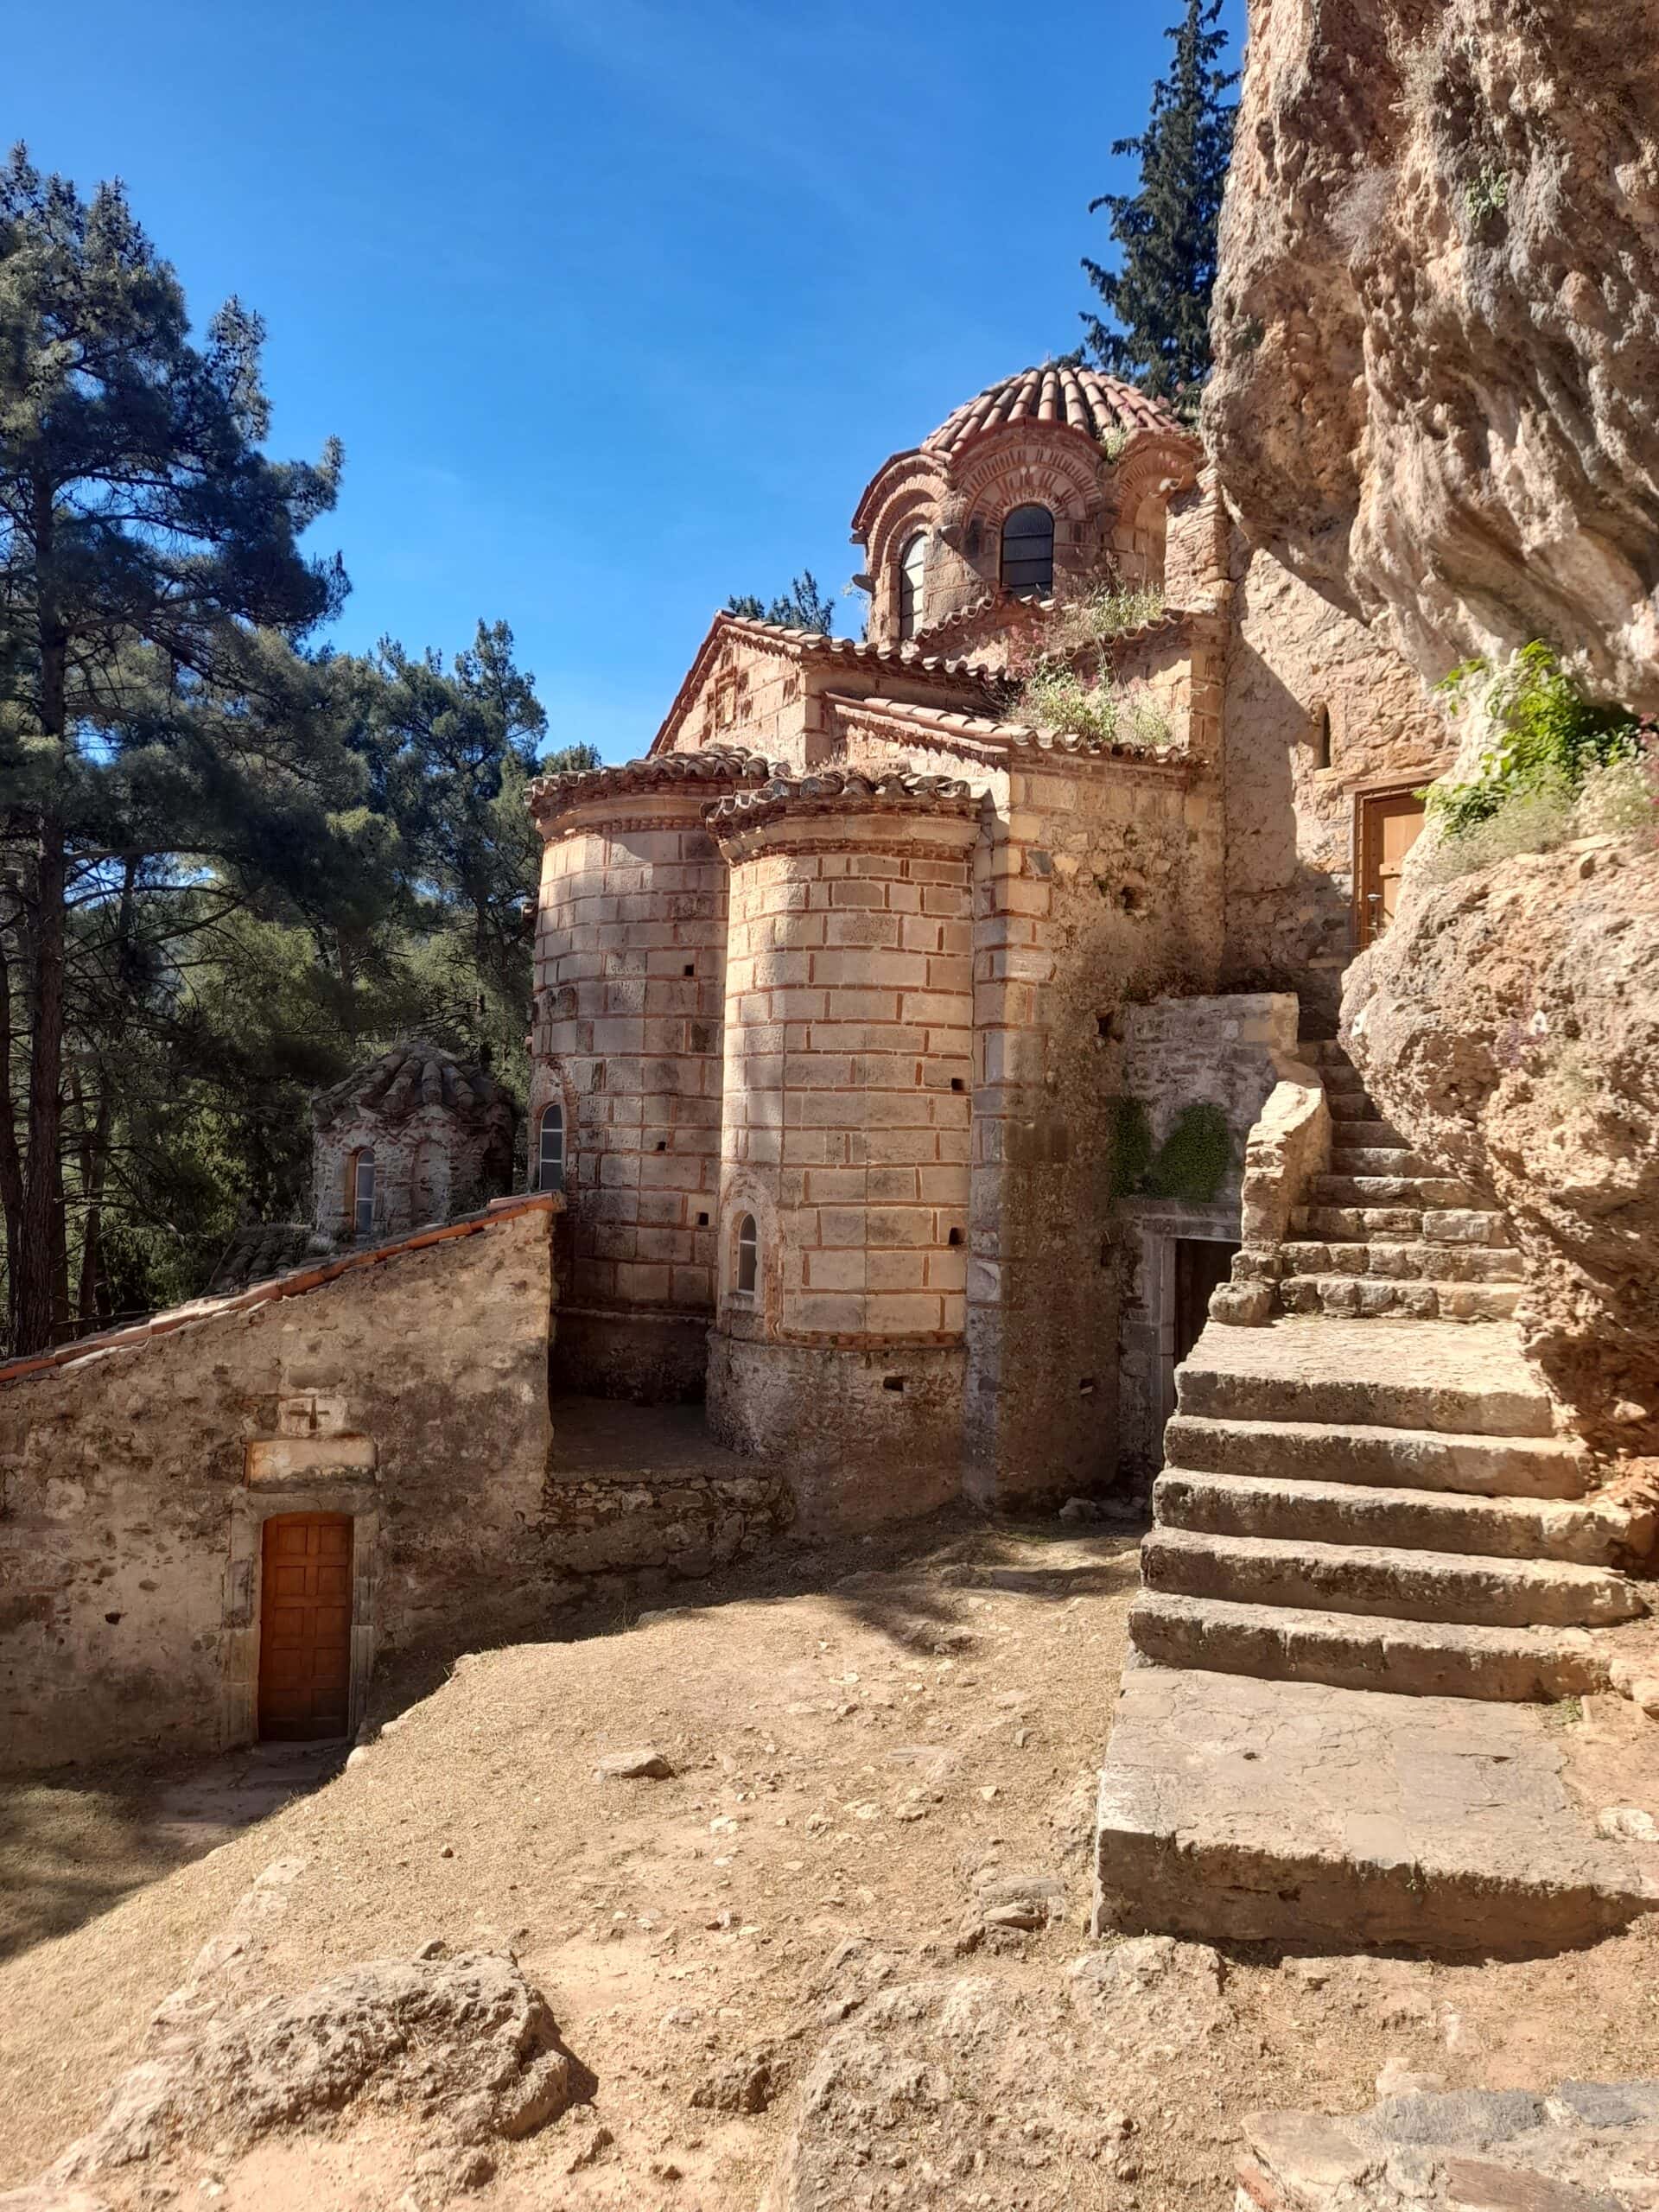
(630, 991)
(848, 1079)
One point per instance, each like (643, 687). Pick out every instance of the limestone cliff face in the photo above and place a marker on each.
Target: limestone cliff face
(1437, 391)
(1509, 1022)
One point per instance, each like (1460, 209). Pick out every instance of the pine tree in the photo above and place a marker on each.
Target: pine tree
(804, 606)
(1154, 330)
(164, 745)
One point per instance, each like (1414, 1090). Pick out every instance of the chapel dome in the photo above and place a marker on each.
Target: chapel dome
(414, 1072)
(1059, 391)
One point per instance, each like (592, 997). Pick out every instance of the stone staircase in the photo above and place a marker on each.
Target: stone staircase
(1384, 1231)
(1368, 1525)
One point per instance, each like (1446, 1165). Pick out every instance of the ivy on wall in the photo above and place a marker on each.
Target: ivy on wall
(1192, 1163)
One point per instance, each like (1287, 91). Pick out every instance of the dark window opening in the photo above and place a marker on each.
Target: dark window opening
(1202, 1265)
(748, 1255)
(957, 1084)
(550, 1149)
(955, 1237)
(1322, 737)
(1028, 552)
(893, 1382)
(912, 573)
(362, 1193)
(702, 1221)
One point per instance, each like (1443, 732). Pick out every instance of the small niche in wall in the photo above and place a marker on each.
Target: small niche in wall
(893, 1382)
(690, 968)
(1086, 1388)
(958, 1084)
(702, 1221)
(662, 1144)
(955, 1237)
(1321, 735)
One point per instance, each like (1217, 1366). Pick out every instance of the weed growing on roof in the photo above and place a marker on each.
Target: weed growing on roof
(1058, 698)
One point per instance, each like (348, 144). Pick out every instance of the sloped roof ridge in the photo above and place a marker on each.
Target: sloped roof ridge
(709, 764)
(1041, 737)
(835, 790)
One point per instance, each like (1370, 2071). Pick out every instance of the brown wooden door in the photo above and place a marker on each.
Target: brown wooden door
(1389, 826)
(305, 1627)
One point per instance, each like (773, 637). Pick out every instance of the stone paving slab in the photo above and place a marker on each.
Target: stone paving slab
(1292, 1811)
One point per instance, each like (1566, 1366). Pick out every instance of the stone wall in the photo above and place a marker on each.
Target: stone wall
(849, 1080)
(1320, 711)
(410, 1394)
(1164, 1060)
(1101, 886)
(630, 991)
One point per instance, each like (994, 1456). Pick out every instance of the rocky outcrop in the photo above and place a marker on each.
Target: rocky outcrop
(1436, 320)
(1580, 2149)
(1509, 1024)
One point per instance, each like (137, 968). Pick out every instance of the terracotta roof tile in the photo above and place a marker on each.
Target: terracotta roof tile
(414, 1072)
(1063, 391)
(985, 734)
(837, 791)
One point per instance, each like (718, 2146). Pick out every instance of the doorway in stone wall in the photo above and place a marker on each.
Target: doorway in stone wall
(1202, 1264)
(1389, 824)
(305, 1627)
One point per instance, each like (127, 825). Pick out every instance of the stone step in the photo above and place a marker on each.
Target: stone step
(1414, 1520)
(1439, 1192)
(1360, 1296)
(1381, 1374)
(1405, 1261)
(1367, 1652)
(1348, 1128)
(1379, 1160)
(1357, 1224)
(1418, 1458)
(1253, 1811)
(1398, 1584)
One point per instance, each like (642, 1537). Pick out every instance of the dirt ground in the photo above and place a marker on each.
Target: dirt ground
(864, 1738)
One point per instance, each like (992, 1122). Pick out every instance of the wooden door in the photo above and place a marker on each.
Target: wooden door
(1389, 826)
(305, 1627)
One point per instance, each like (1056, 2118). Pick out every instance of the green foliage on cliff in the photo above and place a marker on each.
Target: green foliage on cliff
(1549, 738)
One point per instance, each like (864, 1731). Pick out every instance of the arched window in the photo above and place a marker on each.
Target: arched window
(550, 1149)
(1028, 552)
(748, 1256)
(361, 1191)
(912, 571)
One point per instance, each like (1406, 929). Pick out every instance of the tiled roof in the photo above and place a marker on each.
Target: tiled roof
(710, 764)
(414, 1073)
(836, 790)
(294, 1284)
(982, 733)
(1062, 393)
(811, 645)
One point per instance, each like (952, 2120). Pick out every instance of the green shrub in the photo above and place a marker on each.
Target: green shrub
(1192, 1163)
(1058, 698)
(1550, 737)
(1131, 1146)
(1488, 195)
(1193, 1159)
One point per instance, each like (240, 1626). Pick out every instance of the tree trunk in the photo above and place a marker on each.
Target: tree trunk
(11, 1158)
(35, 1261)
(36, 1257)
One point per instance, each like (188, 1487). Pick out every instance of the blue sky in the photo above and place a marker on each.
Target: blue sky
(615, 306)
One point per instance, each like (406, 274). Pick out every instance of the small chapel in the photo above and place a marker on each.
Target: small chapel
(893, 1047)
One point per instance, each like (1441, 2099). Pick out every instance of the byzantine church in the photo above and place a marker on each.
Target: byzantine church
(865, 995)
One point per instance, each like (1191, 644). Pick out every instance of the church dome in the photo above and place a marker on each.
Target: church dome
(1061, 391)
